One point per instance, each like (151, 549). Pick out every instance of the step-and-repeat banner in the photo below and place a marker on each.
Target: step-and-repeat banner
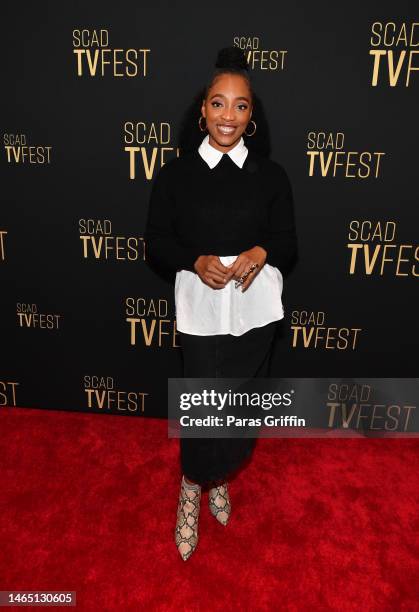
(95, 97)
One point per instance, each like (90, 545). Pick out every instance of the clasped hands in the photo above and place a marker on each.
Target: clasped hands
(216, 275)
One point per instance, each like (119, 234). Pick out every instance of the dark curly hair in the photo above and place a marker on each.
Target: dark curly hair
(230, 60)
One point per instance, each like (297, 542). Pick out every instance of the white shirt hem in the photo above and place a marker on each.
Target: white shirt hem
(217, 333)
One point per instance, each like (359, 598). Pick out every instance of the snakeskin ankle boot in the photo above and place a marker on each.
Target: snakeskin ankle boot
(219, 503)
(186, 531)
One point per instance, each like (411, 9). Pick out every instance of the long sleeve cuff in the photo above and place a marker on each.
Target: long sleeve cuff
(166, 253)
(281, 251)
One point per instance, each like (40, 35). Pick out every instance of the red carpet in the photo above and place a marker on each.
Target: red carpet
(88, 503)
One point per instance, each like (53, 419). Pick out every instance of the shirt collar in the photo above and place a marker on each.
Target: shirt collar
(212, 155)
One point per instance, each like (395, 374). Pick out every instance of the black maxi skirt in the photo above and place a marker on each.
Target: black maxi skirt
(208, 460)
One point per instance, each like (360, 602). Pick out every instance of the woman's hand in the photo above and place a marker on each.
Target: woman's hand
(243, 263)
(212, 272)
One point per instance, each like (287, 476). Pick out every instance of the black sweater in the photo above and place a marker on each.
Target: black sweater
(195, 210)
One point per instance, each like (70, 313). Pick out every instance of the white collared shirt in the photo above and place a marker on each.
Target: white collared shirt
(203, 311)
(212, 155)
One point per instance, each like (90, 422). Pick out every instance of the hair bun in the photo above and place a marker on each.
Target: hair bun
(232, 57)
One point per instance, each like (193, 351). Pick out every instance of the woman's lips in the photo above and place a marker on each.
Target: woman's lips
(226, 130)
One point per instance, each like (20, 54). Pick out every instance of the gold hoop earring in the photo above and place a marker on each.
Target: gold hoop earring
(251, 121)
(199, 123)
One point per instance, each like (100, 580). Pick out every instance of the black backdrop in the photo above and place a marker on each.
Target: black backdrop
(86, 325)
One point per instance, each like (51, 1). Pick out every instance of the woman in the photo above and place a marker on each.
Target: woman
(221, 221)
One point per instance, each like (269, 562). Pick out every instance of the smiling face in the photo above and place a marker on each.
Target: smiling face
(227, 110)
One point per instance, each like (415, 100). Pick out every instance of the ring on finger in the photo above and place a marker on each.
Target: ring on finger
(246, 274)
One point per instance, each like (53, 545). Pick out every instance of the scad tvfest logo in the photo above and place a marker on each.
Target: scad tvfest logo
(259, 58)
(354, 406)
(150, 322)
(329, 157)
(20, 152)
(310, 331)
(30, 317)
(100, 242)
(8, 393)
(374, 250)
(102, 394)
(95, 56)
(394, 51)
(148, 147)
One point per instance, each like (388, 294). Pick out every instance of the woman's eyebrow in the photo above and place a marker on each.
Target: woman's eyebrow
(223, 96)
